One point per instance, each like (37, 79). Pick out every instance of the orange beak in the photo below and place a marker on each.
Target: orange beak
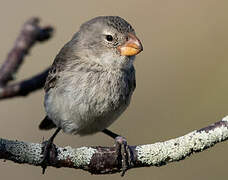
(132, 47)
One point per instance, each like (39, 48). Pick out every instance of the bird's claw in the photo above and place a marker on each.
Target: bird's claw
(123, 152)
(48, 152)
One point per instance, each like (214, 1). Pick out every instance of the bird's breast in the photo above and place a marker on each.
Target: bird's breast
(89, 102)
(110, 89)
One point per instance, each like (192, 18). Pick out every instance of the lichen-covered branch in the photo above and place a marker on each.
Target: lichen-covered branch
(30, 34)
(103, 160)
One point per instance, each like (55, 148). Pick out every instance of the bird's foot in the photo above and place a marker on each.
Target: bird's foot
(123, 152)
(49, 152)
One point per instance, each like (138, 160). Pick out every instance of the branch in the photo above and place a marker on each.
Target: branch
(30, 34)
(24, 87)
(103, 160)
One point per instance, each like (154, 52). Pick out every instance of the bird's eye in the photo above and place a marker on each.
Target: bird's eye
(109, 38)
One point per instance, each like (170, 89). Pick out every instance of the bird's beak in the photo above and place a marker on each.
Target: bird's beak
(132, 47)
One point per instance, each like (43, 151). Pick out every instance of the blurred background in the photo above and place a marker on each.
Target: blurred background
(181, 80)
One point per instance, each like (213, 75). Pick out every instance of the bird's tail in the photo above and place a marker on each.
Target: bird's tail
(46, 124)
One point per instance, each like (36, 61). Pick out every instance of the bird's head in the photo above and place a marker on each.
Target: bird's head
(108, 40)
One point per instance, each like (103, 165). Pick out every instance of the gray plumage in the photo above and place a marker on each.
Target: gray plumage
(90, 83)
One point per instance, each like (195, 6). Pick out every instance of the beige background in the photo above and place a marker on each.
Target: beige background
(181, 80)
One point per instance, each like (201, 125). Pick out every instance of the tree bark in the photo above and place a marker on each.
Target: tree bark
(103, 160)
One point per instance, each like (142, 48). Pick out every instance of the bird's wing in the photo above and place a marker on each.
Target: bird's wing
(58, 66)
(53, 74)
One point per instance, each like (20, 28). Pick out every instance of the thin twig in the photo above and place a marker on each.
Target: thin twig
(31, 32)
(23, 88)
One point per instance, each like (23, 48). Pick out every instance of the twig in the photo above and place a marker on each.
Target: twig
(103, 160)
(25, 87)
(31, 32)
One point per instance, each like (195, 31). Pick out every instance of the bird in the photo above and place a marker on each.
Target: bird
(92, 79)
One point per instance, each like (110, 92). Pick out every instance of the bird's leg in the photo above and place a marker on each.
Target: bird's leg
(122, 150)
(48, 150)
